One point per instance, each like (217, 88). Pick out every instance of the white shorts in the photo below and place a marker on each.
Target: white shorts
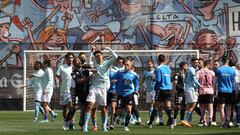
(47, 97)
(98, 95)
(191, 96)
(65, 98)
(150, 96)
(38, 96)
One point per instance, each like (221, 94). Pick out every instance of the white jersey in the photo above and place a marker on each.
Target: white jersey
(36, 82)
(48, 80)
(101, 78)
(65, 71)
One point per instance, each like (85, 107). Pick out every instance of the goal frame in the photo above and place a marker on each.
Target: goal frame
(88, 51)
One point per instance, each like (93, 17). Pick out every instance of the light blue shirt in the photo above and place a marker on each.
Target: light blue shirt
(190, 79)
(149, 80)
(101, 79)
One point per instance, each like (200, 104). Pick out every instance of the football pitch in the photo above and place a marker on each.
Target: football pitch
(20, 123)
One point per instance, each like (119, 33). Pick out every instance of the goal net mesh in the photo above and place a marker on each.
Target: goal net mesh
(174, 57)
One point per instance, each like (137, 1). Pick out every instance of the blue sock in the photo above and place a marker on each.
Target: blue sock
(188, 116)
(104, 119)
(36, 110)
(86, 119)
(150, 111)
(94, 122)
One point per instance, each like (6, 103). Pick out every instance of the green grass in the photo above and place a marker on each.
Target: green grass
(20, 123)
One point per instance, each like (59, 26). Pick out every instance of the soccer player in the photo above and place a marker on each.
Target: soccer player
(63, 75)
(111, 93)
(205, 77)
(149, 83)
(100, 83)
(36, 82)
(48, 83)
(179, 86)
(216, 64)
(225, 78)
(127, 84)
(164, 92)
(191, 85)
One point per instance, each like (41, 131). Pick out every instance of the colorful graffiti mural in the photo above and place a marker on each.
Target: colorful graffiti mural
(211, 26)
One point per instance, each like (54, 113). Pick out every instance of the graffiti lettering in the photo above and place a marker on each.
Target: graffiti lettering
(166, 17)
(236, 21)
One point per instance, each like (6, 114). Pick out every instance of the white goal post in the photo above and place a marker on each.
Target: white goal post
(140, 58)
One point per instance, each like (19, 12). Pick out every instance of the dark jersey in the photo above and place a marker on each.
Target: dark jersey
(180, 84)
(81, 90)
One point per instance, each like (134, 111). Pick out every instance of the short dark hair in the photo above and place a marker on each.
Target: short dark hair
(194, 59)
(216, 61)
(150, 61)
(201, 59)
(182, 64)
(40, 63)
(207, 62)
(96, 52)
(86, 66)
(161, 58)
(47, 62)
(232, 63)
(68, 54)
(82, 53)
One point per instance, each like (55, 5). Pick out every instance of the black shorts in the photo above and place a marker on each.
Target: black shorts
(225, 98)
(127, 100)
(179, 99)
(163, 95)
(111, 97)
(205, 99)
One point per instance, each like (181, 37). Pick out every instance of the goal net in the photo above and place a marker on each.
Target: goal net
(141, 57)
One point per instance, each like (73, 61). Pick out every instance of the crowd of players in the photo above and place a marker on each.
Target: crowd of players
(91, 82)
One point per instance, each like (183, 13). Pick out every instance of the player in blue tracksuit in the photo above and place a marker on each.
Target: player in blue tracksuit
(163, 88)
(127, 84)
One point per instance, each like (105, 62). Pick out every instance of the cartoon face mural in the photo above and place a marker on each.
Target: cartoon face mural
(207, 25)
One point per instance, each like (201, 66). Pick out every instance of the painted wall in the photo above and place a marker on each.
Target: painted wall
(212, 26)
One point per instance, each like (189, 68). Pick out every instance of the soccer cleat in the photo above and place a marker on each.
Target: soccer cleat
(147, 121)
(44, 121)
(104, 129)
(54, 116)
(111, 127)
(186, 123)
(85, 129)
(200, 124)
(126, 129)
(35, 120)
(94, 128)
(157, 120)
(171, 126)
(214, 123)
(149, 125)
(65, 126)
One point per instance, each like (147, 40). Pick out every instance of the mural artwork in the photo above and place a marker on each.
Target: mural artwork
(211, 26)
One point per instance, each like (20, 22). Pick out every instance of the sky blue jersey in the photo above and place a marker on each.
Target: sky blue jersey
(127, 82)
(225, 78)
(149, 80)
(163, 78)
